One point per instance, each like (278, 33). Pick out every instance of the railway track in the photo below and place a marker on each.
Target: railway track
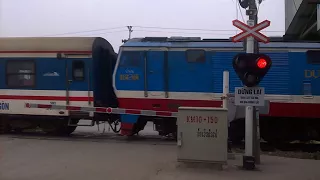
(299, 146)
(290, 150)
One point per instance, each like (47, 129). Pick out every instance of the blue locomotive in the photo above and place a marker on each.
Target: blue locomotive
(161, 74)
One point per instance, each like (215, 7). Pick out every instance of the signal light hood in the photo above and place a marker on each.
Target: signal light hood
(251, 68)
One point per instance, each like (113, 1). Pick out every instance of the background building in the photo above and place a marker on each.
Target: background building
(301, 22)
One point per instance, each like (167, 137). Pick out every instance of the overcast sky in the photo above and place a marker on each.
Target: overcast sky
(63, 17)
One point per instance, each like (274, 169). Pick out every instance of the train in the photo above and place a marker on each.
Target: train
(49, 70)
(157, 74)
(162, 74)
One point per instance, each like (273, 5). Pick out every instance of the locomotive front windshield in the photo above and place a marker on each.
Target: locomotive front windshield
(130, 58)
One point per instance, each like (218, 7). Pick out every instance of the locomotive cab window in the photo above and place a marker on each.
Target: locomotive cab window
(78, 70)
(20, 73)
(196, 56)
(313, 57)
(130, 58)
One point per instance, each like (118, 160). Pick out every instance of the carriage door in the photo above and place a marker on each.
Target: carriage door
(78, 87)
(155, 75)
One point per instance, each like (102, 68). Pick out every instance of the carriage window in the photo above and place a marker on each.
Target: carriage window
(196, 55)
(313, 57)
(78, 70)
(20, 73)
(130, 58)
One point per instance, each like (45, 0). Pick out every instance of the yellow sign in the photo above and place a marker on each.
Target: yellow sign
(129, 77)
(312, 74)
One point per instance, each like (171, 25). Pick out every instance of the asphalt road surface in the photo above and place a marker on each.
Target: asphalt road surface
(59, 159)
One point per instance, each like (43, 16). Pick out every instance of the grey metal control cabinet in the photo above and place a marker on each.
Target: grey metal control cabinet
(202, 135)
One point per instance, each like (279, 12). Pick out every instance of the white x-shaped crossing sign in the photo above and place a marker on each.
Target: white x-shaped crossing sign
(250, 31)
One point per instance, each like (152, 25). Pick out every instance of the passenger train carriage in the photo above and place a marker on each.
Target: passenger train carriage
(61, 71)
(162, 74)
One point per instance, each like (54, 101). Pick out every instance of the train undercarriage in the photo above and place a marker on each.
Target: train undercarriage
(54, 126)
(61, 126)
(274, 130)
(164, 126)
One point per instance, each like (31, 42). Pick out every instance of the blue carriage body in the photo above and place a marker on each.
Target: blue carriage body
(290, 70)
(161, 73)
(62, 71)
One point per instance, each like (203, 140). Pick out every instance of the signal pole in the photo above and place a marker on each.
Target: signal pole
(252, 153)
(256, 127)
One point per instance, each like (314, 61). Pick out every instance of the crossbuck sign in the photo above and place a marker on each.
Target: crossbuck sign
(250, 31)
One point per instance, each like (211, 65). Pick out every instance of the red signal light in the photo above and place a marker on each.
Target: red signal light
(262, 63)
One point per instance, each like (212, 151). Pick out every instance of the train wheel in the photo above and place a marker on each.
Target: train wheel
(166, 126)
(139, 126)
(66, 130)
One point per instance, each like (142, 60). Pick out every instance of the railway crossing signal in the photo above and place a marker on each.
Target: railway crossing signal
(250, 31)
(251, 68)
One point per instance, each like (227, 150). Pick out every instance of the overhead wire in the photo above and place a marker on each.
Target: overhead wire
(144, 27)
(184, 29)
(85, 31)
(240, 12)
(100, 33)
(180, 32)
